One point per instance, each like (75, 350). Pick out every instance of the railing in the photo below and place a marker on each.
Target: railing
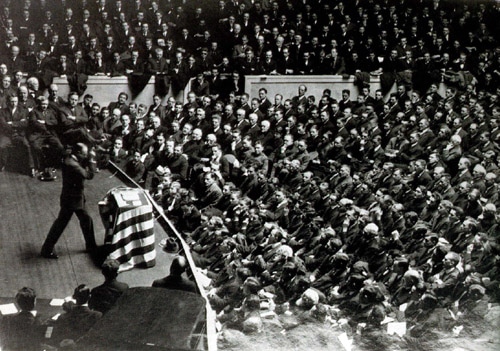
(168, 226)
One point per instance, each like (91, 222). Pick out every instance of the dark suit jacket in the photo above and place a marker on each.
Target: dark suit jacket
(137, 68)
(79, 113)
(115, 69)
(36, 128)
(155, 66)
(19, 122)
(22, 331)
(75, 323)
(177, 165)
(74, 174)
(104, 296)
(94, 68)
(123, 108)
(175, 283)
(210, 196)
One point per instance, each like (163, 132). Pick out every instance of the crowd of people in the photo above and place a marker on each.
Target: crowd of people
(362, 207)
(27, 330)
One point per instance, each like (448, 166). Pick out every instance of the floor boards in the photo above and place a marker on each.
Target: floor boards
(27, 209)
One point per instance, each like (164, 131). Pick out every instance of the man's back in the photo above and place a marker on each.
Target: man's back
(76, 322)
(175, 283)
(104, 296)
(22, 332)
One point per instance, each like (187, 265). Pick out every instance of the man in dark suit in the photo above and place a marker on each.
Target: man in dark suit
(22, 331)
(158, 66)
(120, 104)
(175, 160)
(73, 119)
(134, 65)
(42, 131)
(116, 67)
(175, 280)
(13, 125)
(211, 193)
(104, 296)
(78, 319)
(77, 167)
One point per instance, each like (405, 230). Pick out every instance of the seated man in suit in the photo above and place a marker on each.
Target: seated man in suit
(175, 280)
(104, 296)
(22, 331)
(42, 128)
(13, 131)
(78, 319)
(210, 192)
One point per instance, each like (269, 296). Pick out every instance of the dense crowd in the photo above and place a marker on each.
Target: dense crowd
(377, 207)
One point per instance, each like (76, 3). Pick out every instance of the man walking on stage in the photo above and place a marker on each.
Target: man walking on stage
(77, 167)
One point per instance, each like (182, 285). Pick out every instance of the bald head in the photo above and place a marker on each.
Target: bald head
(178, 266)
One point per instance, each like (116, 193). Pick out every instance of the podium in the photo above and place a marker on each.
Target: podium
(128, 218)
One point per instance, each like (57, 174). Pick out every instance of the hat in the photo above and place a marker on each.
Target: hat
(81, 294)
(329, 231)
(412, 273)
(253, 284)
(290, 266)
(428, 301)
(346, 202)
(335, 243)
(340, 256)
(169, 245)
(478, 289)
(371, 294)
(252, 324)
(361, 267)
(285, 250)
(309, 298)
(371, 228)
(159, 171)
(453, 256)
(490, 207)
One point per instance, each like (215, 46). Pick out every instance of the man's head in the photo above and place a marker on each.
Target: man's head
(81, 294)
(26, 299)
(110, 269)
(178, 266)
(81, 151)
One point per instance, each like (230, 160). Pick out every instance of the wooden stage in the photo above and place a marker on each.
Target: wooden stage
(27, 209)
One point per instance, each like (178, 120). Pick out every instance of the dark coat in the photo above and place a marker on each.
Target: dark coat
(175, 283)
(75, 323)
(104, 296)
(74, 174)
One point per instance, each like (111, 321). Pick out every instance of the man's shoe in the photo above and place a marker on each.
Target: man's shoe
(90, 249)
(50, 255)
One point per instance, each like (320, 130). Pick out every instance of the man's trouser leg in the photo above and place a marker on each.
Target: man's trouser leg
(56, 230)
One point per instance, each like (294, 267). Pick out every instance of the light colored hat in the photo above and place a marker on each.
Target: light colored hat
(309, 298)
(346, 202)
(371, 228)
(285, 250)
(490, 207)
(252, 324)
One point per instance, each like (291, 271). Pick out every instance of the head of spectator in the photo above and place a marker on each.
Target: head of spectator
(26, 299)
(109, 269)
(81, 294)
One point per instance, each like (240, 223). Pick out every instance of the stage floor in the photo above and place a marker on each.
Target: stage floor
(27, 209)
